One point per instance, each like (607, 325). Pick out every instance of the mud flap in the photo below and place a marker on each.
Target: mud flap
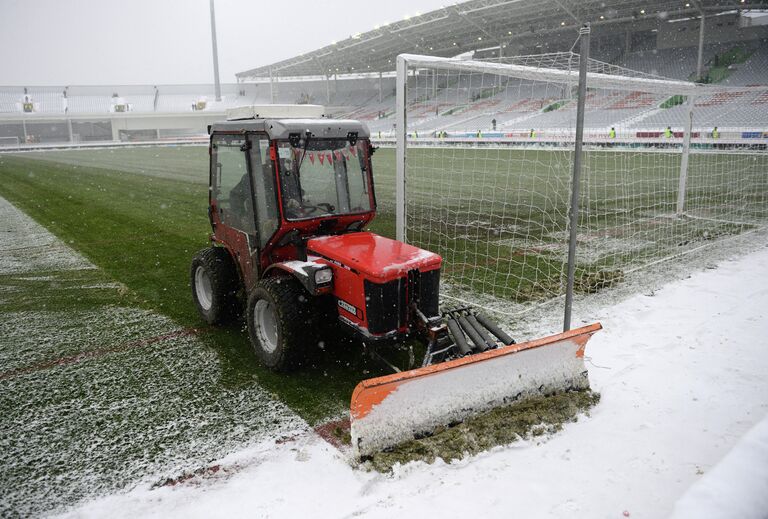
(388, 410)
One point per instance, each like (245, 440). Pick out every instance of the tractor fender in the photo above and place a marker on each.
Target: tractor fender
(303, 272)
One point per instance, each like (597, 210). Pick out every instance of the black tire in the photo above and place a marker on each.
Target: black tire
(280, 341)
(214, 284)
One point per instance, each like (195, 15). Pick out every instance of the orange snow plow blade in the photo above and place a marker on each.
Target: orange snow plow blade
(388, 410)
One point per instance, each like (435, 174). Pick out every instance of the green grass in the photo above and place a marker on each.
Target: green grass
(516, 200)
(142, 231)
(498, 216)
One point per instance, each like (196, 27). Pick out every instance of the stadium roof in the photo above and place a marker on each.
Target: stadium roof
(478, 24)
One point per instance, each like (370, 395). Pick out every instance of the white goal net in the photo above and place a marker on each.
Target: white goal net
(486, 168)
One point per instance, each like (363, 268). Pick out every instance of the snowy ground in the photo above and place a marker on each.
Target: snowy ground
(95, 398)
(682, 372)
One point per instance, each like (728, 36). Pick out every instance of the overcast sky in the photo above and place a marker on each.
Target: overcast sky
(97, 42)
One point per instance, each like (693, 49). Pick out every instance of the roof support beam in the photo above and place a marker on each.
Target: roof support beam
(455, 28)
(465, 16)
(562, 5)
(700, 60)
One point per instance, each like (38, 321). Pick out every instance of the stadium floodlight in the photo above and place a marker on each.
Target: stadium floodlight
(487, 154)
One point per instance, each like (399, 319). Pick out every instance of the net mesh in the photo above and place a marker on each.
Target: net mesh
(490, 158)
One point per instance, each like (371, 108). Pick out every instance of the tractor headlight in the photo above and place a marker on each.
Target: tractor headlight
(323, 276)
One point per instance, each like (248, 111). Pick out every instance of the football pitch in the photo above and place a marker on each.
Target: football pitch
(138, 215)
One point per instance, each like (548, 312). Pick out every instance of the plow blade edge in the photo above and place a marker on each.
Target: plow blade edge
(388, 410)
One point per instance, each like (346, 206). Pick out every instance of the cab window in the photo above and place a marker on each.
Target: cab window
(231, 184)
(263, 177)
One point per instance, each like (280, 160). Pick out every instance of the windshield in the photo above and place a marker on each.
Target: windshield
(324, 177)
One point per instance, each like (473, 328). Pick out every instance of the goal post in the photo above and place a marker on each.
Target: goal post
(485, 157)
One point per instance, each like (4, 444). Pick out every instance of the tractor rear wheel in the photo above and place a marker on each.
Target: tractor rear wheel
(280, 322)
(214, 285)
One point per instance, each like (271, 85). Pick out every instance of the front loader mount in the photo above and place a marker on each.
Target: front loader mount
(462, 332)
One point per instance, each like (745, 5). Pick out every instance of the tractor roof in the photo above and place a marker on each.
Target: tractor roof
(281, 128)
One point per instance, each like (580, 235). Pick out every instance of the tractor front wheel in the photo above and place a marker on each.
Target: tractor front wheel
(280, 322)
(214, 284)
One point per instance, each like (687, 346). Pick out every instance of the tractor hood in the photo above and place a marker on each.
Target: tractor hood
(375, 256)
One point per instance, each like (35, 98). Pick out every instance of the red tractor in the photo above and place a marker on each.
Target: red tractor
(289, 202)
(291, 194)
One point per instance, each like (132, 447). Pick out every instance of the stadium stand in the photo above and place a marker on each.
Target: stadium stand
(660, 45)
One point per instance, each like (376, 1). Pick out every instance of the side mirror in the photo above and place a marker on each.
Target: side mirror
(289, 237)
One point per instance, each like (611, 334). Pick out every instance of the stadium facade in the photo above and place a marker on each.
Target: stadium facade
(713, 41)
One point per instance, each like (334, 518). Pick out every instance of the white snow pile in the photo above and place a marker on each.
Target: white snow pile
(682, 373)
(736, 487)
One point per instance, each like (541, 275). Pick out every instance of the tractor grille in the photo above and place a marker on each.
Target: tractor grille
(386, 304)
(429, 292)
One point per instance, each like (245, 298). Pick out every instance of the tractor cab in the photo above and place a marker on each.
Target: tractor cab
(291, 193)
(275, 181)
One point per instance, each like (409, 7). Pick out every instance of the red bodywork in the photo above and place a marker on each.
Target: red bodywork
(360, 256)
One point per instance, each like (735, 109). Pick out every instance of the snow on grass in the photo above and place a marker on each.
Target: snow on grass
(41, 336)
(110, 422)
(97, 396)
(681, 372)
(28, 247)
